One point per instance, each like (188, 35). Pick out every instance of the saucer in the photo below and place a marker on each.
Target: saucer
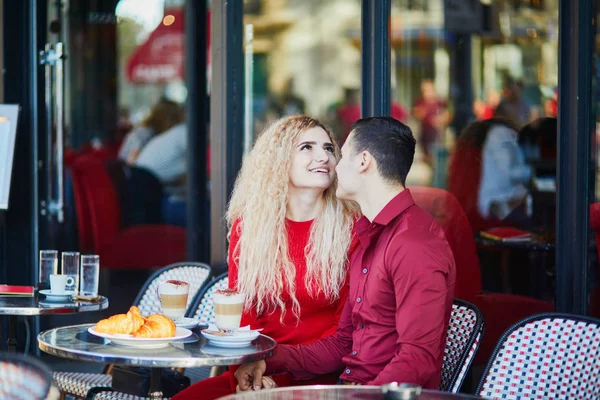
(188, 323)
(238, 339)
(55, 296)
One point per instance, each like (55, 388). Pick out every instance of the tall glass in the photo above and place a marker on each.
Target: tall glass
(89, 275)
(70, 267)
(48, 266)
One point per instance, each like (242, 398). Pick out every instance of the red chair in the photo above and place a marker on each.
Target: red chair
(500, 310)
(140, 246)
(464, 177)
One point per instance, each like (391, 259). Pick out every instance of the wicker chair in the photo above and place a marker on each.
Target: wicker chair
(196, 274)
(545, 356)
(464, 336)
(200, 309)
(23, 378)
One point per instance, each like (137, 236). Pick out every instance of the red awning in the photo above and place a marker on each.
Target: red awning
(160, 58)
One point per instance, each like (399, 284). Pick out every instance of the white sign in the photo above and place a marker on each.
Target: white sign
(9, 114)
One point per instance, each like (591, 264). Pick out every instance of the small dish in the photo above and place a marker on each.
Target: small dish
(56, 296)
(188, 323)
(238, 339)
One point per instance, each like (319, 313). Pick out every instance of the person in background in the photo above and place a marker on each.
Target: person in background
(289, 240)
(164, 115)
(513, 106)
(433, 114)
(165, 156)
(348, 112)
(402, 277)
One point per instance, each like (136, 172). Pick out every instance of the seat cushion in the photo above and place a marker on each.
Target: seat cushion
(78, 384)
(145, 246)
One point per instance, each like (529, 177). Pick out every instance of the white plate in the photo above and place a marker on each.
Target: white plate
(145, 343)
(55, 296)
(241, 338)
(188, 323)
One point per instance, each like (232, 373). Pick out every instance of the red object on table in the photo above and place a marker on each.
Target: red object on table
(506, 233)
(16, 290)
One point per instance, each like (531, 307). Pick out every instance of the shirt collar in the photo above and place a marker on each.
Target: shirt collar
(392, 209)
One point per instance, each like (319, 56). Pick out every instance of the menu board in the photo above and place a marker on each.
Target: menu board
(9, 114)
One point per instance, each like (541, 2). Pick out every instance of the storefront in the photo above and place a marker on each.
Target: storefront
(235, 66)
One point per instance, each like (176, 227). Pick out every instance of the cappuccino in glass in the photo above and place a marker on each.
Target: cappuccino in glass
(229, 305)
(173, 298)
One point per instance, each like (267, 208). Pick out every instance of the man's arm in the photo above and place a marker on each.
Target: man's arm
(419, 275)
(321, 357)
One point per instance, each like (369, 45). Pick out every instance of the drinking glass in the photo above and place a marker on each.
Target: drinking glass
(89, 275)
(70, 267)
(48, 266)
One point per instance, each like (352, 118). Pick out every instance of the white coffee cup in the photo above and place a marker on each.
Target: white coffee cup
(58, 283)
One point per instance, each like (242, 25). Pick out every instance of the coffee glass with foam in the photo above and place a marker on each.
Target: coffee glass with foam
(229, 305)
(173, 296)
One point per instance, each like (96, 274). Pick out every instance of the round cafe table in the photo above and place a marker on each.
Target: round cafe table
(338, 392)
(14, 306)
(76, 343)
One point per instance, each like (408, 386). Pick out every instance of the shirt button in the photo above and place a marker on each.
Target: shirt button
(347, 371)
(365, 271)
(358, 300)
(361, 326)
(354, 352)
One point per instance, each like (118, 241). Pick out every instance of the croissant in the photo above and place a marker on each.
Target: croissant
(121, 323)
(156, 326)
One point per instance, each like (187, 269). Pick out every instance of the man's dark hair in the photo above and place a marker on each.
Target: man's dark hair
(391, 143)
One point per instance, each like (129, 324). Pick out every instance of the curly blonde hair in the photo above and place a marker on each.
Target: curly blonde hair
(259, 202)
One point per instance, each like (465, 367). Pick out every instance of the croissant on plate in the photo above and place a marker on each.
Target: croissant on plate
(121, 323)
(156, 326)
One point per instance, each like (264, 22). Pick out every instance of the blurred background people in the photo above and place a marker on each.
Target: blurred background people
(164, 115)
(488, 174)
(433, 115)
(513, 106)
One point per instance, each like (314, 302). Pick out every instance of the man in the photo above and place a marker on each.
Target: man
(394, 324)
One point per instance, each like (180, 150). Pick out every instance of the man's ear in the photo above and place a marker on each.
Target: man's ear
(366, 159)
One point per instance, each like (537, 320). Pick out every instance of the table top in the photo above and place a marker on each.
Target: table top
(338, 392)
(17, 305)
(76, 343)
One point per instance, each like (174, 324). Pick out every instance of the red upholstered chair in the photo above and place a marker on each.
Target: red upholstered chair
(499, 310)
(464, 177)
(140, 246)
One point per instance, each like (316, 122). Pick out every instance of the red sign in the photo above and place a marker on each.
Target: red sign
(160, 58)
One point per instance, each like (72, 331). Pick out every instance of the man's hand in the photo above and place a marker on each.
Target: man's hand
(249, 376)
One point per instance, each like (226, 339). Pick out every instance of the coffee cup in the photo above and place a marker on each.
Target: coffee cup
(58, 283)
(173, 298)
(228, 305)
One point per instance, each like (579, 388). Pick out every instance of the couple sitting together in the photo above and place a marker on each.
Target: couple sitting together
(365, 293)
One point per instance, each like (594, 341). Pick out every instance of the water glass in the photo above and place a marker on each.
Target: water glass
(48, 266)
(89, 275)
(70, 267)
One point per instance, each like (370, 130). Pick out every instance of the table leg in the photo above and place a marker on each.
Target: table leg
(155, 386)
(11, 342)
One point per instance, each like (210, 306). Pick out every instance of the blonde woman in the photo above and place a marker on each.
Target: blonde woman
(289, 241)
